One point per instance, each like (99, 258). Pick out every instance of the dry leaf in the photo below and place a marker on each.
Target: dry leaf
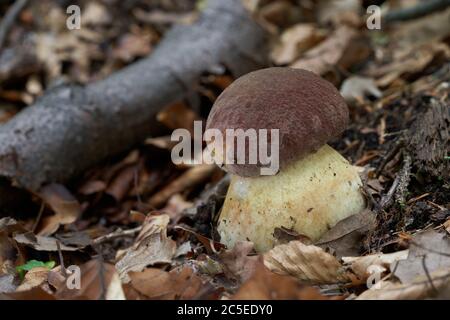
(41, 243)
(162, 285)
(33, 278)
(421, 288)
(429, 252)
(99, 280)
(132, 46)
(295, 41)
(238, 261)
(345, 238)
(360, 265)
(66, 207)
(306, 262)
(151, 246)
(178, 116)
(266, 285)
(341, 49)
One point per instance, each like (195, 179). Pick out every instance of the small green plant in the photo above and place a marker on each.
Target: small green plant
(24, 268)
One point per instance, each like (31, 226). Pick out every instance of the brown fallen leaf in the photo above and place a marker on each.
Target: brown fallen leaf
(238, 262)
(308, 263)
(99, 280)
(295, 41)
(150, 247)
(266, 285)
(345, 238)
(66, 207)
(342, 49)
(157, 284)
(122, 182)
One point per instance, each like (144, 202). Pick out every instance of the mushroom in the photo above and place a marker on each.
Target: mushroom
(315, 187)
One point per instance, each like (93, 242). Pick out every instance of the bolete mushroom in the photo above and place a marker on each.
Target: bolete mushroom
(315, 187)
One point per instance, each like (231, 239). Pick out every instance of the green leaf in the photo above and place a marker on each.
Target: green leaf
(22, 269)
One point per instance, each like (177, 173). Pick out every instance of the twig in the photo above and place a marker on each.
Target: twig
(8, 21)
(116, 234)
(427, 273)
(398, 143)
(101, 275)
(422, 9)
(61, 258)
(38, 219)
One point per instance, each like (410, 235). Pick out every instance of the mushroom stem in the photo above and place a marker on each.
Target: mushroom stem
(309, 197)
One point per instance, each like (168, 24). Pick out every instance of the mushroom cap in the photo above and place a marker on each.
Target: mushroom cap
(307, 110)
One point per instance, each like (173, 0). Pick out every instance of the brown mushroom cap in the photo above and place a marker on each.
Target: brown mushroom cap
(308, 111)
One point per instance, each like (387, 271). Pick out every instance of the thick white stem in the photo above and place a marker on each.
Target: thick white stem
(310, 196)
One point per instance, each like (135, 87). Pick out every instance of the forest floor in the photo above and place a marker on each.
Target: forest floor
(141, 227)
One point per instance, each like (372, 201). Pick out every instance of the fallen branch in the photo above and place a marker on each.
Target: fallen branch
(72, 128)
(421, 9)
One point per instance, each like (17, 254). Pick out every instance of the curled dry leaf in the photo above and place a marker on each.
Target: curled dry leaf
(360, 265)
(33, 278)
(151, 246)
(307, 263)
(66, 207)
(266, 285)
(295, 41)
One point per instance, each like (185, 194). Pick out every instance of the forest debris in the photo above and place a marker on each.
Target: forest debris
(341, 49)
(41, 243)
(66, 207)
(429, 252)
(422, 288)
(305, 262)
(75, 127)
(151, 246)
(429, 141)
(162, 285)
(99, 281)
(416, 11)
(132, 46)
(188, 179)
(266, 285)
(345, 238)
(295, 41)
(238, 261)
(360, 265)
(356, 89)
(9, 19)
(33, 278)
(339, 11)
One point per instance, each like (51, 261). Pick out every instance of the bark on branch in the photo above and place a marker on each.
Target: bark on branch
(72, 127)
